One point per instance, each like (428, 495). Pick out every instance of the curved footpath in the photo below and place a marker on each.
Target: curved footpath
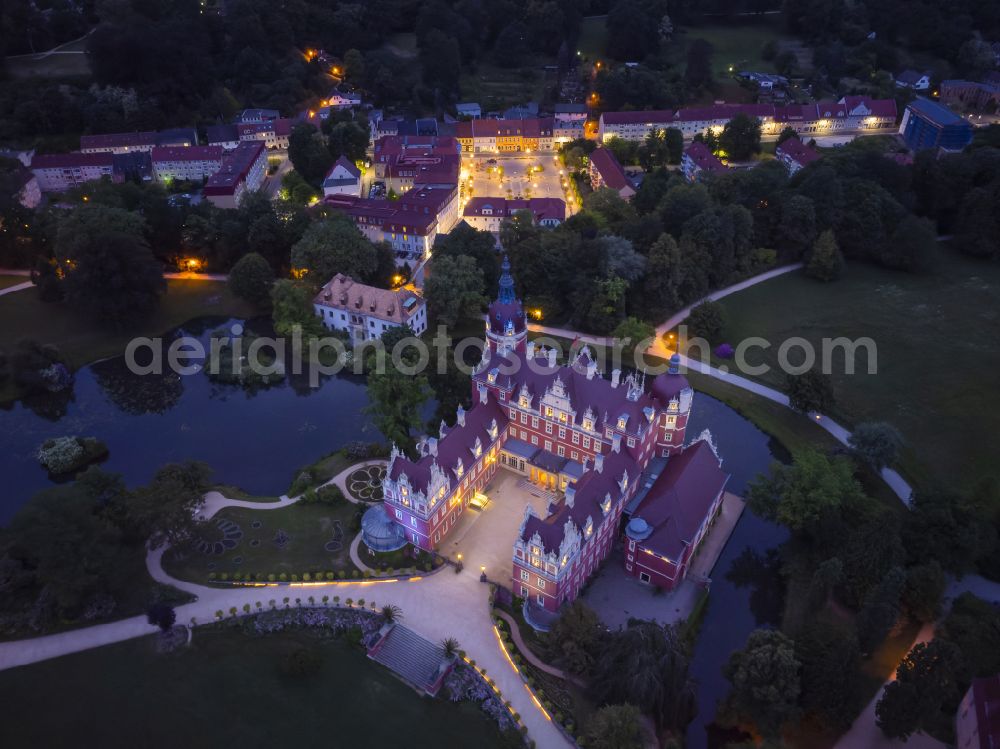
(437, 606)
(896, 482)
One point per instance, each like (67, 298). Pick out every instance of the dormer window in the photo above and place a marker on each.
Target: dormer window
(524, 401)
(621, 421)
(588, 424)
(492, 376)
(548, 411)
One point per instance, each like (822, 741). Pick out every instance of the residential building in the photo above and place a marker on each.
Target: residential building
(29, 192)
(144, 141)
(563, 131)
(977, 722)
(914, 80)
(272, 133)
(487, 214)
(344, 178)
(249, 116)
(605, 171)
(568, 112)
(795, 154)
(193, 163)
(698, 160)
(407, 161)
(851, 114)
(342, 100)
(227, 136)
(469, 109)
(56, 172)
(586, 440)
(410, 224)
(671, 520)
(366, 312)
(506, 136)
(927, 124)
(971, 95)
(243, 171)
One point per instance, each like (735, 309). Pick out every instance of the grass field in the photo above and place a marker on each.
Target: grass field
(306, 528)
(70, 60)
(403, 45)
(497, 88)
(7, 281)
(738, 46)
(936, 355)
(81, 341)
(228, 689)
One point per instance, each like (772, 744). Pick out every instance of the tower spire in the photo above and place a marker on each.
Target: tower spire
(506, 295)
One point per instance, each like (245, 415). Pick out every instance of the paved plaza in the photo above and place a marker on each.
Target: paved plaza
(514, 176)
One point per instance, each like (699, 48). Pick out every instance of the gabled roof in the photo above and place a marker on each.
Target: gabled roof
(910, 77)
(345, 163)
(68, 160)
(222, 133)
(797, 151)
(703, 157)
(679, 500)
(117, 140)
(936, 113)
(604, 161)
(186, 153)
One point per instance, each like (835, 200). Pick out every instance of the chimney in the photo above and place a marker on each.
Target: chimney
(432, 446)
(484, 395)
(570, 496)
(460, 416)
(616, 443)
(616, 376)
(552, 357)
(531, 350)
(598, 461)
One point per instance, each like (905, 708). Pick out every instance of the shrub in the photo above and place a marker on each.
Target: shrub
(329, 576)
(724, 351)
(246, 608)
(295, 578)
(223, 576)
(306, 577)
(283, 577)
(219, 614)
(361, 602)
(211, 575)
(706, 320)
(270, 578)
(342, 574)
(63, 455)
(330, 495)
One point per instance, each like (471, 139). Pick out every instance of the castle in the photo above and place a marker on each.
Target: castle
(603, 448)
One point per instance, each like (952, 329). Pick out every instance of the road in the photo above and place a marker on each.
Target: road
(273, 182)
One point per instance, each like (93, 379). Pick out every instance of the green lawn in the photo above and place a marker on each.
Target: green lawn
(81, 341)
(937, 354)
(306, 529)
(737, 46)
(8, 281)
(228, 689)
(494, 87)
(593, 38)
(403, 45)
(71, 64)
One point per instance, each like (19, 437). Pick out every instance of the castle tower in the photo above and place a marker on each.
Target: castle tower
(675, 397)
(506, 326)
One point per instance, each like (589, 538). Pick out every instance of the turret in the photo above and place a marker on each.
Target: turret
(506, 325)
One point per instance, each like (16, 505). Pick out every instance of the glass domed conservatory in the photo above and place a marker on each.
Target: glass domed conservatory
(379, 532)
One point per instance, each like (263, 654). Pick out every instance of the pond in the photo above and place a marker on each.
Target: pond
(746, 591)
(229, 689)
(254, 440)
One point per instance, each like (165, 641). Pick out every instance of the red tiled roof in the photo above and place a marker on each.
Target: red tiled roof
(703, 158)
(493, 128)
(235, 168)
(417, 210)
(186, 153)
(679, 500)
(611, 171)
(635, 118)
(69, 160)
(541, 208)
(797, 151)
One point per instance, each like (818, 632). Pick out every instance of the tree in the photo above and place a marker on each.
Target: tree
(479, 245)
(646, 665)
(831, 659)
(296, 189)
(620, 258)
(161, 615)
(603, 303)
(825, 262)
(441, 61)
(973, 625)
(787, 133)
(924, 591)
(454, 290)
(674, 140)
(765, 679)
(706, 320)
(911, 246)
(661, 284)
(682, 203)
(309, 153)
(926, 680)
(391, 613)
(876, 443)
(881, 610)
(610, 206)
(698, 71)
(955, 528)
(251, 279)
(291, 305)
(354, 66)
(797, 227)
(799, 495)
(576, 637)
(634, 330)
(615, 727)
(740, 137)
(335, 246)
(810, 391)
(395, 401)
(114, 277)
(348, 139)
(163, 511)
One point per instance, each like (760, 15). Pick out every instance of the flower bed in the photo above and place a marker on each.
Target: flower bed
(65, 455)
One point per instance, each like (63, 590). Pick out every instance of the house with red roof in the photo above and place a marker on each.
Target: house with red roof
(585, 439)
(407, 161)
(487, 214)
(193, 163)
(977, 723)
(272, 133)
(795, 154)
(698, 161)
(56, 172)
(243, 170)
(344, 178)
(605, 171)
(506, 136)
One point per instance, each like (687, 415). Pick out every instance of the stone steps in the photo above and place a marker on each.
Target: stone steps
(411, 657)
